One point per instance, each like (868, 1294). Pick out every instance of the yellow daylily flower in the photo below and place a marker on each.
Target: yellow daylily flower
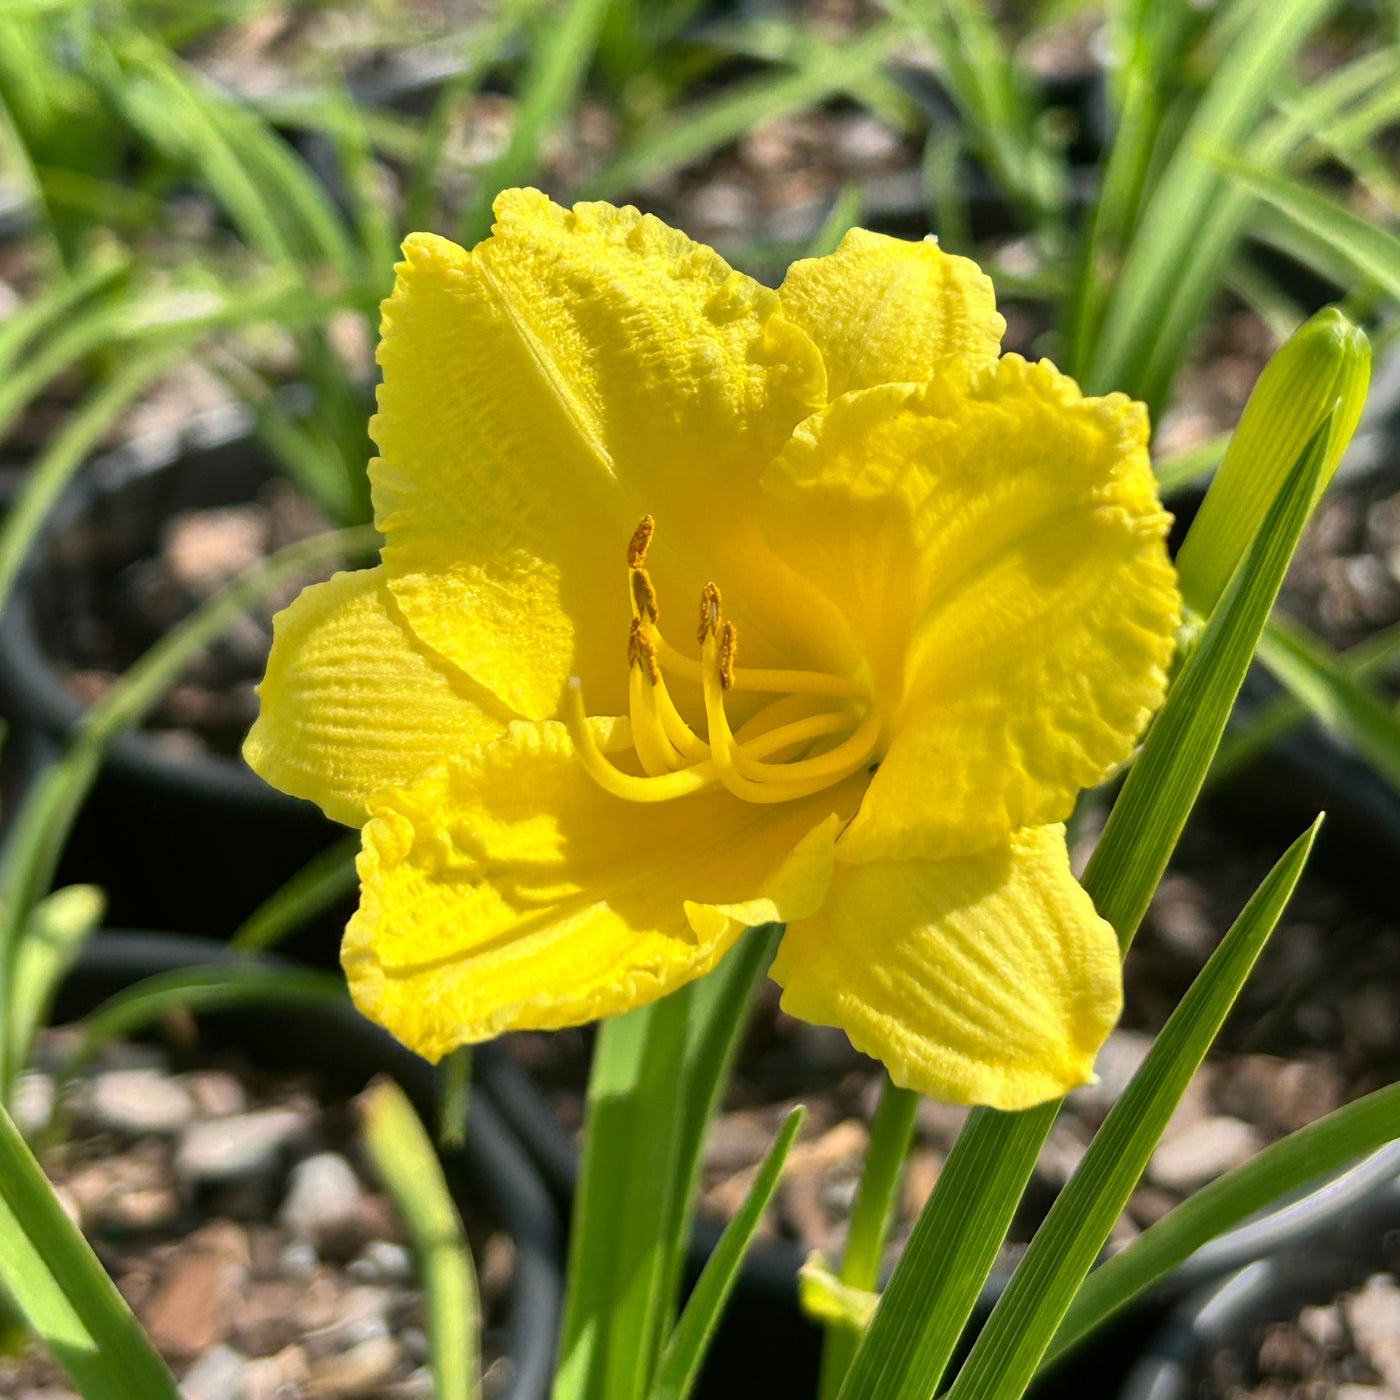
(934, 604)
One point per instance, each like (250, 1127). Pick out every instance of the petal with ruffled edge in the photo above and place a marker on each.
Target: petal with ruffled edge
(996, 543)
(352, 702)
(510, 892)
(578, 370)
(885, 311)
(986, 979)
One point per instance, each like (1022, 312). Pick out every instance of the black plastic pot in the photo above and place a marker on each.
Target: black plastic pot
(491, 1171)
(193, 841)
(1232, 1316)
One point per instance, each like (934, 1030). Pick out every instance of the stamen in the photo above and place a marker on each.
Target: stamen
(656, 752)
(637, 545)
(641, 652)
(724, 751)
(612, 779)
(728, 650)
(709, 612)
(643, 595)
(695, 749)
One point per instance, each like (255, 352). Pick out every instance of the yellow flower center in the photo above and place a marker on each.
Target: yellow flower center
(676, 761)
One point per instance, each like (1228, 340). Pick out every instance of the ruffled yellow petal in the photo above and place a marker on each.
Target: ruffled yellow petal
(510, 892)
(986, 979)
(574, 372)
(997, 543)
(885, 311)
(352, 703)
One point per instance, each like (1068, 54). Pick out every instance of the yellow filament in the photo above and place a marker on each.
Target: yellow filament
(831, 766)
(657, 753)
(789, 682)
(724, 751)
(610, 778)
(695, 749)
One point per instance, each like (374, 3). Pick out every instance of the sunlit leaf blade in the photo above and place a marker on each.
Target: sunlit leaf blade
(949, 1254)
(52, 938)
(1193, 465)
(1010, 1345)
(1373, 252)
(685, 1348)
(59, 1260)
(1166, 247)
(403, 1157)
(1345, 705)
(1296, 1161)
(562, 51)
(656, 1081)
(677, 138)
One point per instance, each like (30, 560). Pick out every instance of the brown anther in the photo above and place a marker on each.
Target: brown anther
(709, 613)
(637, 545)
(643, 594)
(641, 651)
(728, 650)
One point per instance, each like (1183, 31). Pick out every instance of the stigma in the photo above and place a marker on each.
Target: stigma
(772, 757)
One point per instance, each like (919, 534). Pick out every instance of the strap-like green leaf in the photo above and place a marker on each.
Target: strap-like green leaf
(685, 1349)
(1019, 1331)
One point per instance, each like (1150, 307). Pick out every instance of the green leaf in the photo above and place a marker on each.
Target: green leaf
(1186, 468)
(1249, 738)
(685, 135)
(51, 940)
(1009, 1348)
(1147, 322)
(324, 880)
(687, 1344)
(1297, 1161)
(1312, 673)
(656, 1080)
(1372, 252)
(954, 1243)
(560, 58)
(403, 1158)
(46, 1257)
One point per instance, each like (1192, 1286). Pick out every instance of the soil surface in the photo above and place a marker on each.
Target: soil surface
(236, 1211)
(1345, 1350)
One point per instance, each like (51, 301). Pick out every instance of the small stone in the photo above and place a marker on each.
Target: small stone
(322, 1204)
(265, 1320)
(357, 1372)
(1201, 1153)
(1373, 1314)
(1352, 1391)
(939, 1123)
(1285, 1351)
(217, 1375)
(417, 1385)
(862, 141)
(298, 1259)
(215, 1094)
(244, 1145)
(381, 1261)
(1061, 1155)
(194, 1307)
(205, 548)
(279, 1377)
(723, 207)
(1323, 1326)
(31, 1102)
(361, 1315)
(137, 1101)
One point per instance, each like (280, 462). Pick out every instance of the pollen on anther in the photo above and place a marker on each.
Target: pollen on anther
(709, 612)
(641, 539)
(644, 594)
(642, 652)
(728, 651)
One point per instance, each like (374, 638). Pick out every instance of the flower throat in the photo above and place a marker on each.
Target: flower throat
(676, 760)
